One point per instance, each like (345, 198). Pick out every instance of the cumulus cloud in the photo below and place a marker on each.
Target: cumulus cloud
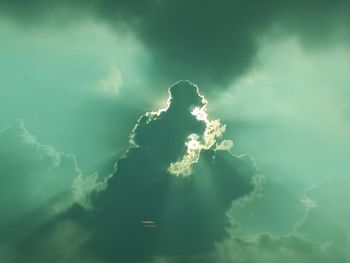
(273, 248)
(145, 210)
(31, 172)
(320, 234)
(37, 183)
(264, 247)
(196, 142)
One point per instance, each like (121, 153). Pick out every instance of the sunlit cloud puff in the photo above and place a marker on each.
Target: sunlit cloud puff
(111, 83)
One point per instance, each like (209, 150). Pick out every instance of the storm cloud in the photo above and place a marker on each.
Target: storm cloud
(146, 210)
(209, 42)
(79, 73)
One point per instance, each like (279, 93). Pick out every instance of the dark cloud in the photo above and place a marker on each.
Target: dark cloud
(146, 210)
(209, 42)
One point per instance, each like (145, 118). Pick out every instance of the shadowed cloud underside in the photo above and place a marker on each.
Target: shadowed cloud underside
(210, 42)
(145, 210)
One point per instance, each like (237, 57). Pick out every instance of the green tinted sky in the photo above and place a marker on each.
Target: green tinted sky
(76, 77)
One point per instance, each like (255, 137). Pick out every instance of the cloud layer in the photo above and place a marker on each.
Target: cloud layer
(209, 42)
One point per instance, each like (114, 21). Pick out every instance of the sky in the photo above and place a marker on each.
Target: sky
(174, 131)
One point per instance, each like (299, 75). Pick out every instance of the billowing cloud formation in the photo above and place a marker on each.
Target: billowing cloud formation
(202, 40)
(31, 173)
(38, 182)
(145, 209)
